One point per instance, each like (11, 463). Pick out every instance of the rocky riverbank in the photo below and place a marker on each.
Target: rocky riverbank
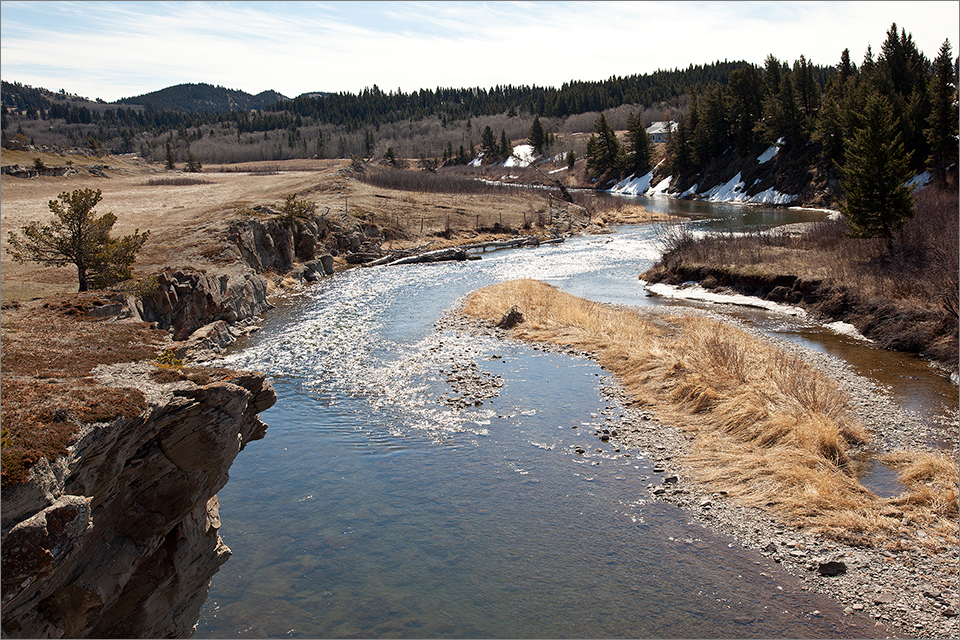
(119, 535)
(908, 588)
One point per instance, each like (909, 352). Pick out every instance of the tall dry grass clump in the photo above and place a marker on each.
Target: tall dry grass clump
(768, 427)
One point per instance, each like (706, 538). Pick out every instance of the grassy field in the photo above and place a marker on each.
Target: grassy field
(768, 428)
(183, 211)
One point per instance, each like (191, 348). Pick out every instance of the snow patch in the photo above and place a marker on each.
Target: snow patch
(734, 190)
(694, 292)
(633, 186)
(692, 190)
(920, 180)
(697, 293)
(847, 329)
(771, 196)
(522, 156)
(767, 155)
(731, 191)
(661, 187)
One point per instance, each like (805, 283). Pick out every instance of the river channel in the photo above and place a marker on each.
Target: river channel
(373, 508)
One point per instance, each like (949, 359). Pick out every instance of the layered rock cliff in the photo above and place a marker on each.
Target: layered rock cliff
(119, 538)
(254, 255)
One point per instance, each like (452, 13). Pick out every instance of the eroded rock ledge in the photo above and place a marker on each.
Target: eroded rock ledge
(119, 538)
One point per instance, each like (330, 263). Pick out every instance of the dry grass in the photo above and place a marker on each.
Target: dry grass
(767, 427)
(906, 299)
(49, 349)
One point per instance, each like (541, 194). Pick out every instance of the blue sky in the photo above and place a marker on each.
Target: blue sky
(112, 50)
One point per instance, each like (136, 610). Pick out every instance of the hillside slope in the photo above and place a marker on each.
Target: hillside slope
(202, 97)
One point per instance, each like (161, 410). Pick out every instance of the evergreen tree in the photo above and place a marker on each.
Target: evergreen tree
(171, 160)
(875, 171)
(941, 125)
(488, 143)
(638, 146)
(744, 107)
(710, 138)
(506, 148)
(846, 68)
(80, 238)
(604, 151)
(538, 136)
(781, 117)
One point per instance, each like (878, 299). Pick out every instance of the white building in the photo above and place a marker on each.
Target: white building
(659, 131)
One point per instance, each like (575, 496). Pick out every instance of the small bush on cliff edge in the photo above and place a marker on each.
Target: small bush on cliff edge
(292, 209)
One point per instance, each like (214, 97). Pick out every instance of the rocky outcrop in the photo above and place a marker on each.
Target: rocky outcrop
(258, 252)
(119, 538)
(187, 299)
(17, 171)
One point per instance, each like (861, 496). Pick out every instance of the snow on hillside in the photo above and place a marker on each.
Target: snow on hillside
(633, 186)
(522, 156)
(767, 155)
(734, 190)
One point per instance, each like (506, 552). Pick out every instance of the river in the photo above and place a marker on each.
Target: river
(373, 509)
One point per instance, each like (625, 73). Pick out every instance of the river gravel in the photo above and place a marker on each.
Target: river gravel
(912, 590)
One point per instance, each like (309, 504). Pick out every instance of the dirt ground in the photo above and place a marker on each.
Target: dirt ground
(182, 220)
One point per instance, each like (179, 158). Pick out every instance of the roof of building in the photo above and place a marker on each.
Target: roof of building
(661, 127)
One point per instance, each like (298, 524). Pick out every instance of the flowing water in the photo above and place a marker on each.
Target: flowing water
(374, 509)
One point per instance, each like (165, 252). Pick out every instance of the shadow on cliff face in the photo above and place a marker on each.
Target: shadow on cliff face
(111, 464)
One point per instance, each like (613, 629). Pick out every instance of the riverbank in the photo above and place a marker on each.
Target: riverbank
(905, 299)
(873, 554)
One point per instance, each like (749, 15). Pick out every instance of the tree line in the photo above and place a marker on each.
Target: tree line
(116, 126)
(793, 106)
(727, 106)
(788, 106)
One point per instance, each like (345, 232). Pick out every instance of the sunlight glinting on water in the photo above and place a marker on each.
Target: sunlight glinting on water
(347, 519)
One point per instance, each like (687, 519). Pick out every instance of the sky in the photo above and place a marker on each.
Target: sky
(113, 50)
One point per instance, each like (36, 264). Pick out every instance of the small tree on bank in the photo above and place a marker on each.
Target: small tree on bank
(604, 151)
(875, 172)
(80, 238)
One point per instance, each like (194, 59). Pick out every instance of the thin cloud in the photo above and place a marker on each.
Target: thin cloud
(121, 49)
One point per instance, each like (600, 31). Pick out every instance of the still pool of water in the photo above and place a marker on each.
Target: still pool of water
(371, 509)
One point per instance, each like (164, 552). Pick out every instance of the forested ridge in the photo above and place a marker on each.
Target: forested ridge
(723, 107)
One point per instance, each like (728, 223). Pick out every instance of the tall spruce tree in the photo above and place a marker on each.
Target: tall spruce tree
(537, 136)
(604, 151)
(638, 146)
(488, 143)
(876, 168)
(941, 125)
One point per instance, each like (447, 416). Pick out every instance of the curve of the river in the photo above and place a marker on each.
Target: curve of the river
(374, 509)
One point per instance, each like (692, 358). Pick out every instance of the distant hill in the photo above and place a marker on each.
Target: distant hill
(202, 97)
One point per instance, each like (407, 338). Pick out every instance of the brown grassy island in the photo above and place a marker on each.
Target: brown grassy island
(759, 439)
